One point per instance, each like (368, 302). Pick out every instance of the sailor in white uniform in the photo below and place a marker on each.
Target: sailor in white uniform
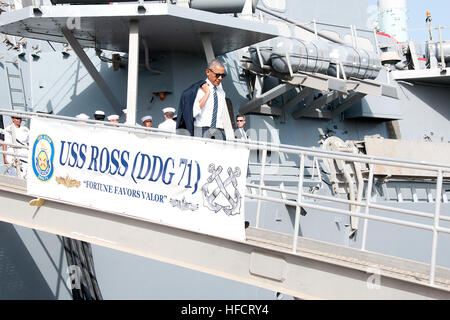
(17, 134)
(147, 121)
(81, 117)
(99, 115)
(168, 124)
(113, 118)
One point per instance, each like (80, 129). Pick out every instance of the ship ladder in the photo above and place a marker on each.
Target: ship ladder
(15, 85)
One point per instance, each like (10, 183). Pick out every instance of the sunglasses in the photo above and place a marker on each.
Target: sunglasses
(223, 75)
(240, 120)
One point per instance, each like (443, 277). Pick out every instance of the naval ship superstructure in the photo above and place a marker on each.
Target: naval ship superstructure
(348, 170)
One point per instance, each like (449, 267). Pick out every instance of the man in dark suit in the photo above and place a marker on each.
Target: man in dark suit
(202, 104)
(185, 118)
(2, 136)
(240, 132)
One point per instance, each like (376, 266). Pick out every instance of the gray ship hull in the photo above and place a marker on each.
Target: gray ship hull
(33, 264)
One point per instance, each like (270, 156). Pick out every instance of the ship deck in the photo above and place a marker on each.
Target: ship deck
(164, 26)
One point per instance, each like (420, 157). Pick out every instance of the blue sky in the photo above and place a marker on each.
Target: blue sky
(440, 13)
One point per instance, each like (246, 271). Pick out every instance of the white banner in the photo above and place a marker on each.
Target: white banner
(192, 185)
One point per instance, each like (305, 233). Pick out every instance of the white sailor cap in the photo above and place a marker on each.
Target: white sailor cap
(168, 109)
(146, 118)
(124, 111)
(82, 116)
(99, 113)
(113, 117)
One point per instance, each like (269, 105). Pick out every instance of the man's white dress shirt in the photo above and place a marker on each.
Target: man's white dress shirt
(168, 125)
(203, 116)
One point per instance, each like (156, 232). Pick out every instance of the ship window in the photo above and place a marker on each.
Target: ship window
(421, 194)
(406, 193)
(446, 193)
(391, 194)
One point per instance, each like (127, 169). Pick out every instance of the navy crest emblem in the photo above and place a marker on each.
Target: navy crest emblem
(42, 157)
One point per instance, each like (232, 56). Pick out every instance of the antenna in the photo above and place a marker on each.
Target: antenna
(430, 28)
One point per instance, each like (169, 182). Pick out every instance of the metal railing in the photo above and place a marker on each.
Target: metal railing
(441, 170)
(367, 204)
(10, 149)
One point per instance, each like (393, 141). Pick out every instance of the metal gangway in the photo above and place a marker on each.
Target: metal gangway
(283, 262)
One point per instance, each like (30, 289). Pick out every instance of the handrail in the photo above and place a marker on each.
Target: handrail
(325, 36)
(351, 202)
(251, 144)
(12, 145)
(299, 203)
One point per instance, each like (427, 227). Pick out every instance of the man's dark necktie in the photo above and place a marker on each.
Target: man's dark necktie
(216, 106)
